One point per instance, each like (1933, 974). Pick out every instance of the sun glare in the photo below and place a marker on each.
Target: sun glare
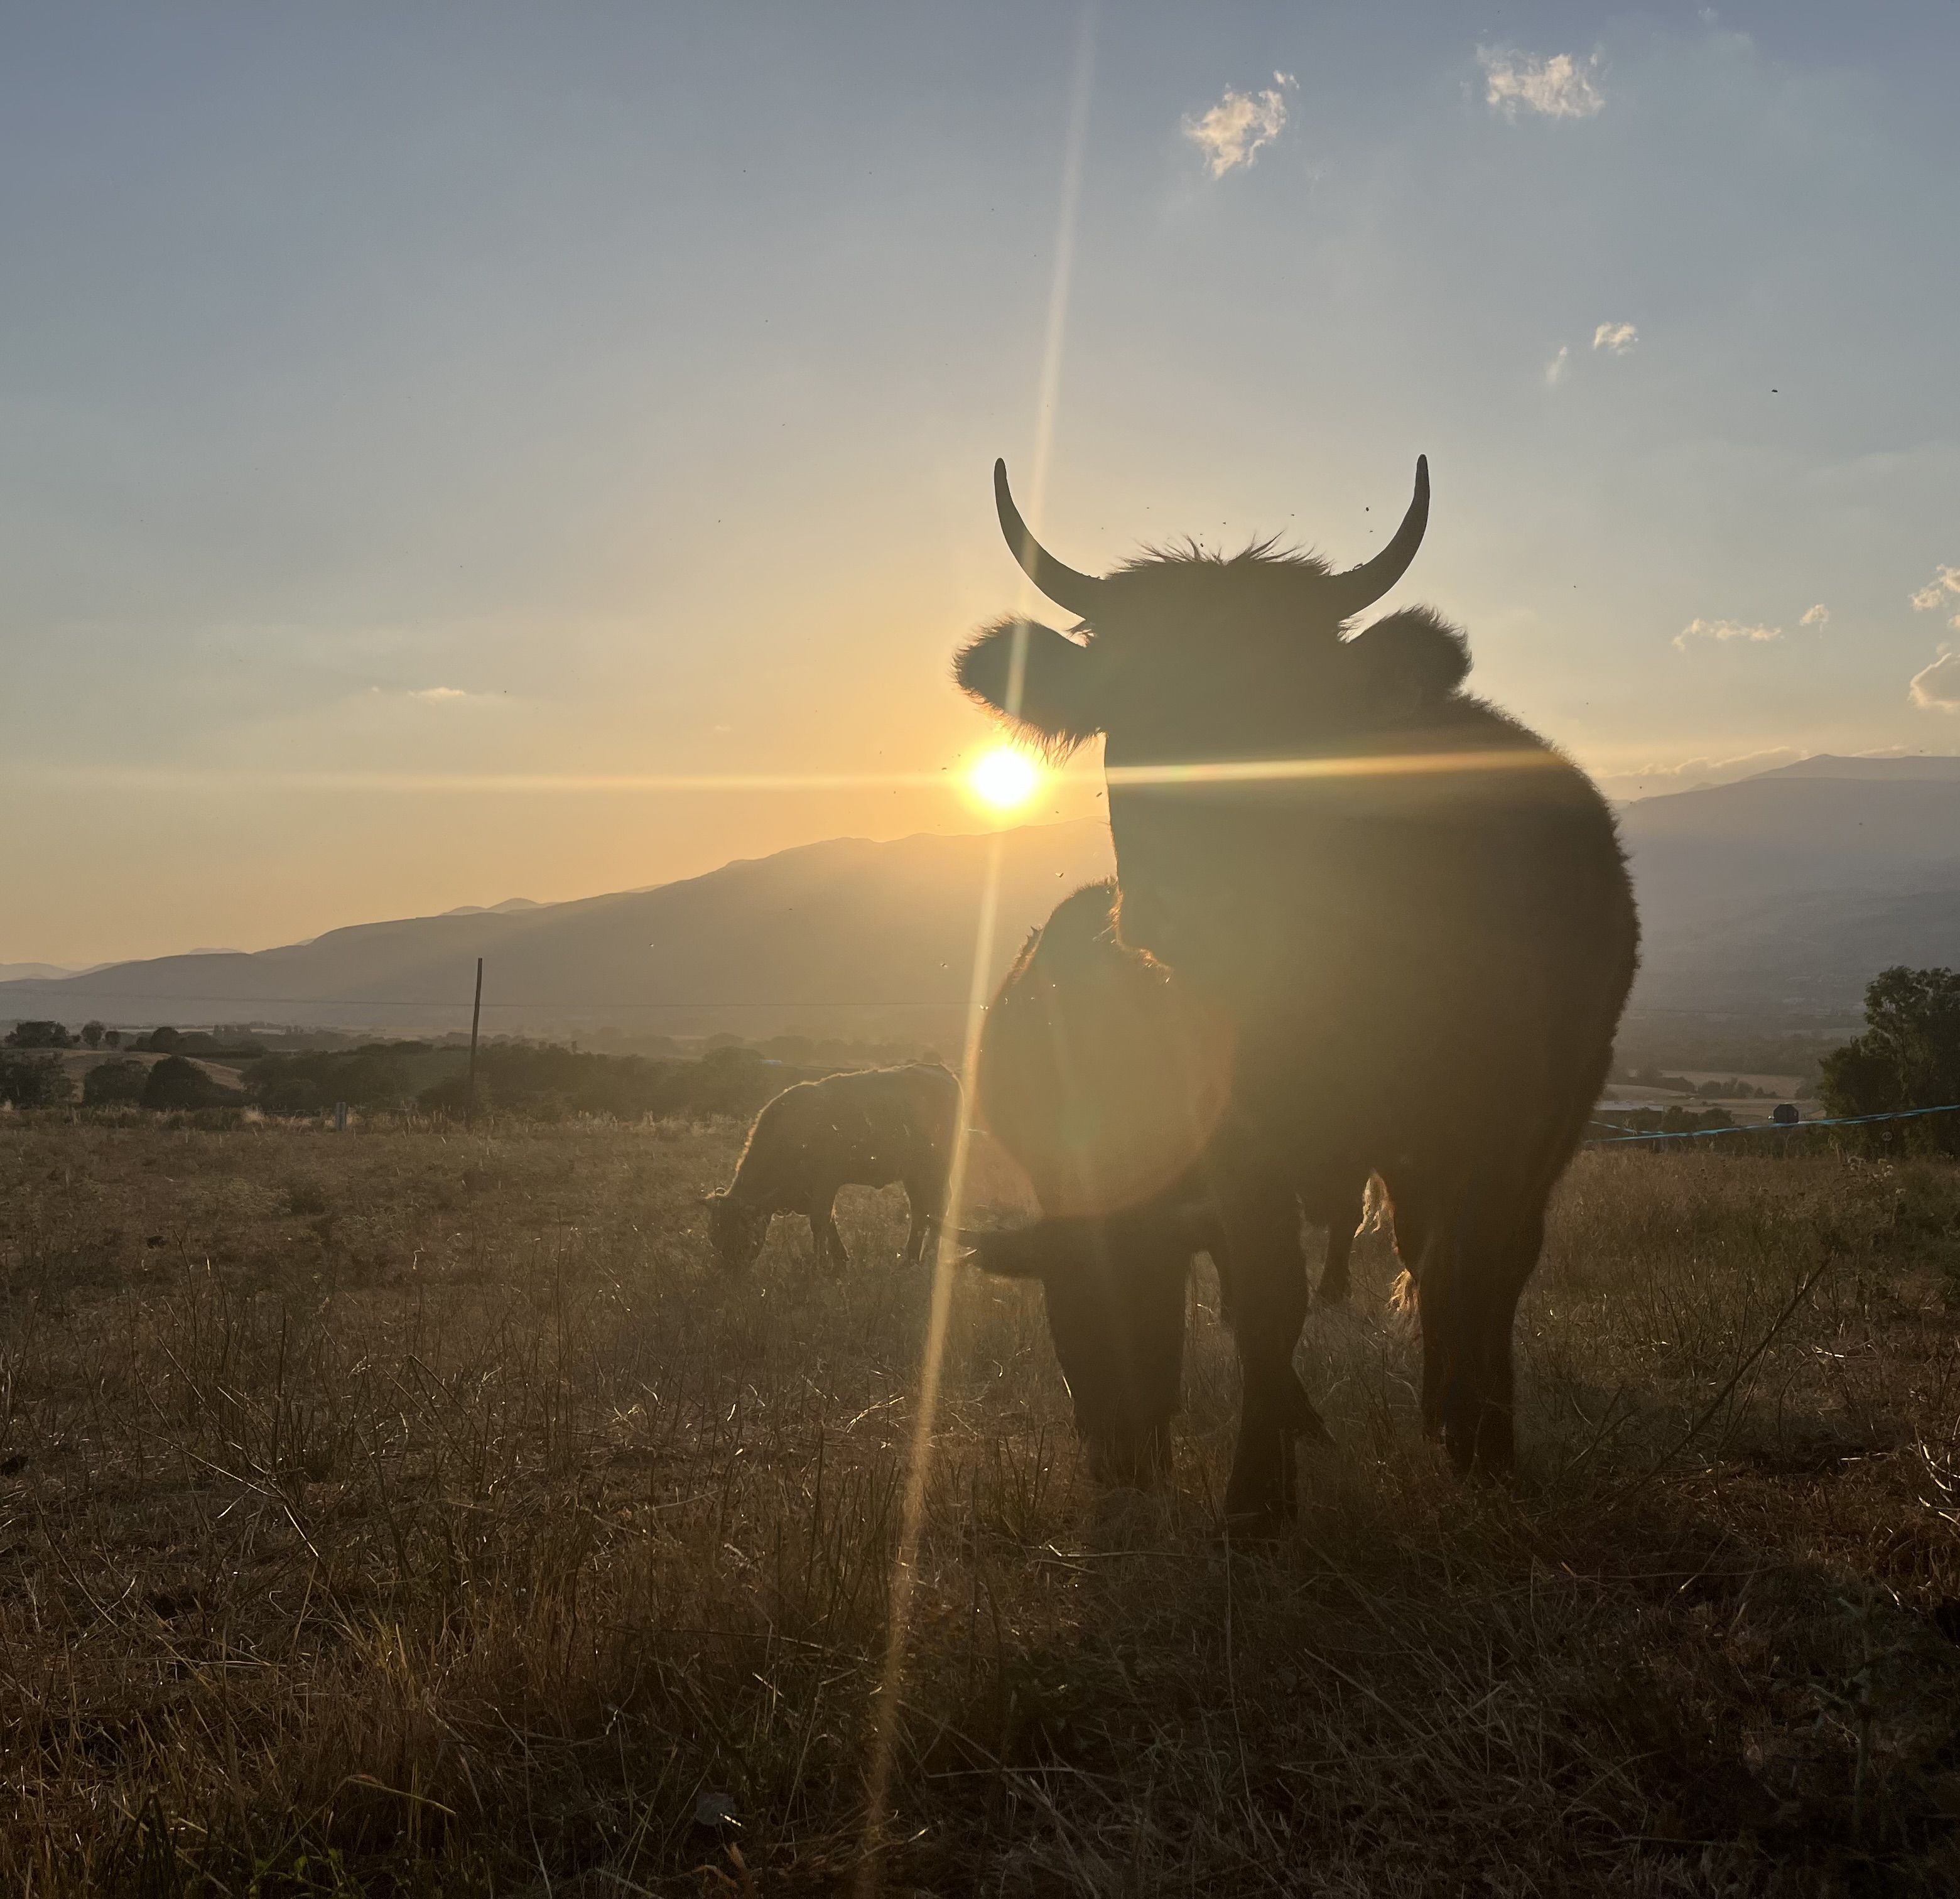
(1003, 779)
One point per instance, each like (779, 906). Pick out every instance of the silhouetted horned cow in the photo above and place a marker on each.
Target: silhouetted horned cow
(864, 1129)
(1414, 912)
(1110, 1086)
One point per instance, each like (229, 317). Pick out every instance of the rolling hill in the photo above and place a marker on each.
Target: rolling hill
(1780, 895)
(848, 937)
(1773, 899)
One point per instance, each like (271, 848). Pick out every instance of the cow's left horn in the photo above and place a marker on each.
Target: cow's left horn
(1077, 591)
(1364, 585)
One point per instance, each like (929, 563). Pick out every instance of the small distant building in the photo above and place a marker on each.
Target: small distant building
(1784, 1114)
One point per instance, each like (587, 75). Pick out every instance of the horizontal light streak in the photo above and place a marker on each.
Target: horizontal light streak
(1364, 766)
(1201, 772)
(194, 779)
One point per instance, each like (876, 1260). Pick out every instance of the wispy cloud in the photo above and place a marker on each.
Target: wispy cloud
(1560, 86)
(1554, 370)
(1817, 616)
(1234, 131)
(1936, 687)
(424, 695)
(1938, 591)
(1616, 338)
(1723, 631)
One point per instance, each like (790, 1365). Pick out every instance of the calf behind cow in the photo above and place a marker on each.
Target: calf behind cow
(1109, 1082)
(865, 1129)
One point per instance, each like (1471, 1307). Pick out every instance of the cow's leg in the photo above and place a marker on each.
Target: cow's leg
(925, 1200)
(1269, 1304)
(827, 1241)
(1221, 1249)
(1473, 1273)
(1333, 1290)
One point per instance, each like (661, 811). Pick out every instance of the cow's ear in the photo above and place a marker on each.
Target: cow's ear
(1410, 662)
(1054, 689)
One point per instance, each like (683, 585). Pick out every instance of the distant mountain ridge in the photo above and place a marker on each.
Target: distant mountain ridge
(1776, 897)
(1787, 891)
(1921, 767)
(846, 937)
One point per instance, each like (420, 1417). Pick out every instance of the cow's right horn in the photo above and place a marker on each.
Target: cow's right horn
(1364, 585)
(1080, 592)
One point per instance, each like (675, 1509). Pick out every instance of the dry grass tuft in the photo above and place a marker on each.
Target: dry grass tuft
(412, 1512)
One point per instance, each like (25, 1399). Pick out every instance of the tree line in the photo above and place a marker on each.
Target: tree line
(1908, 1057)
(540, 1080)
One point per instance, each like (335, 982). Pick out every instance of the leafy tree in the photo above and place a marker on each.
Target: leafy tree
(376, 1075)
(33, 1081)
(39, 1035)
(1908, 1057)
(112, 1038)
(109, 1082)
(176, 1082)
(92, 1033)
(451, 1095)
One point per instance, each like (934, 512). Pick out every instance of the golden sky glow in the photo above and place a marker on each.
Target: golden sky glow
(412, 530)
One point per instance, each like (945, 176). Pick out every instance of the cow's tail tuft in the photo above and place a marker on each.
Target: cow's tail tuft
(1405, 1301)
(1374, 1206)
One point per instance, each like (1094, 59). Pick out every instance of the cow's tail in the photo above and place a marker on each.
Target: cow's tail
(1374, 1206)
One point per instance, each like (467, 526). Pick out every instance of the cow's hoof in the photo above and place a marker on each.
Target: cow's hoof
(1265, 1525)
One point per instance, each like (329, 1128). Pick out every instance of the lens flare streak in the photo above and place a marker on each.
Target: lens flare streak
(164, 778)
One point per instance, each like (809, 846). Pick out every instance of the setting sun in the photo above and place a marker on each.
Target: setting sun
(1003, 779)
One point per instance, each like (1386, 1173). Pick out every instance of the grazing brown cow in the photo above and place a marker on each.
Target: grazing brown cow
(1109, 1084)
(1414, 912)
(865, 1129)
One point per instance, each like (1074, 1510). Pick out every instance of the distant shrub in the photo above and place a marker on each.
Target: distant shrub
(195, 1041)
(92, 1033)
(546, 1082)
(1908, 1057)
(109, 1083)
(1673, 1119)
(39, 1034)
(34, 1081)
(451, 1096)
(541, 1079)
(176, 1082)
(378, 1074)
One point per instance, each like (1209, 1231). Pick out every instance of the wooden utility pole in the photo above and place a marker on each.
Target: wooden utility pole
(475, 1021)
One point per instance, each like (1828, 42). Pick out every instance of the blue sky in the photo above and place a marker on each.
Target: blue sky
(544, 393)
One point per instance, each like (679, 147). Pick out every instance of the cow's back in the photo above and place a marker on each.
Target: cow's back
(865, 1128)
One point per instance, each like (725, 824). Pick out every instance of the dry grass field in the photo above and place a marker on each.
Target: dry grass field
(417, 1511)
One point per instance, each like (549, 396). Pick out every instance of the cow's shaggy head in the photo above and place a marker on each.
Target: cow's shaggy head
(1181, 656)
(1115, 1292)
(737, 1229)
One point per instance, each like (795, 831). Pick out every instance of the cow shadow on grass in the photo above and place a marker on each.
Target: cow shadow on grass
(1575, 1688)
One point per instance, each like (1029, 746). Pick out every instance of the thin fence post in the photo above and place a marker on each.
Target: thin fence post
(476, 1020)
